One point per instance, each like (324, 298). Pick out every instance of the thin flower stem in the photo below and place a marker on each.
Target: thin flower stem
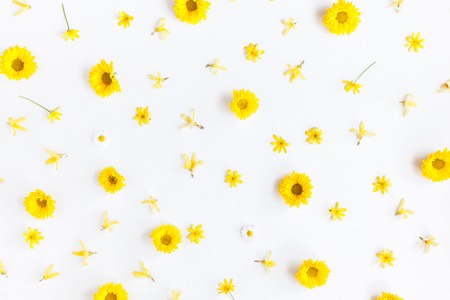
(232, 296)
(65, 17)
(36, 103)
(364, 71)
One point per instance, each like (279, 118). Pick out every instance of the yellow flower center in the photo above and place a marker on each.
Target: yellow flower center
(106, 78)
(242, 104)
(191, 5)
(312, 272)
(249, 233)
(101, 138)
(438, 163)
(111, 296)
(113, 179)
(297, 189)
(165, 240)
(341, 17)
(17, 65)
(143, 117)
(42, 203)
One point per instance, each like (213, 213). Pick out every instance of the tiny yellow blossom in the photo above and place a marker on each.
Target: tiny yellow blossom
(70, 34)
(190, 120)
(295, 71)
(445, 87)
(427, 242)
(414, 42)
(408, 102)
(215, 66)
(2, 270)
(23, 6)
(176, 294)
(54, 158)
(386, 256)
(15, 124)
(145, 273)
(161, 29)
(337, 213)
(226, 287)
(158, 80)
(361, 132)
(402, 211)
(84, 253)
(142, 115)
(382, 184)
(195, 233)
(33, 236)
(124, 19)
(314, 135)
(53, 114)
(233, 178)
(351, 85)
(268, 262)
(397, 4)
(191, 163)
(107, 223)
(252, 52)
(290, 24)
(153, 204)
(48, 273)
(279, 144)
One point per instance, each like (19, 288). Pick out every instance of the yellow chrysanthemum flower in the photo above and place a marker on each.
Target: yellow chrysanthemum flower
(386, 257)
(279, 144)
(111, 180)
(253, 52)
(166, 238)
(437, 166)
(382, 184)
(142, 115)
(33, 236)
(195, 233)
(244, 104)
(312, 274)
(314, 135)
(414, 42)
(226, 287)
(70, 34)
(296, 189)
(388, 296)
(17, 63)
(233, 178)
(39, 204)
(103, 80)
(342, 18)
(124, 19)
(337, 212)
(191, 11)
(111, 291)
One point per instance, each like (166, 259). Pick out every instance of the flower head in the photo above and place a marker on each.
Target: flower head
(33, 236)
(294, 72)
(15, 124)
(215, 66)
(142, 115)
(107, 223)
(195, 233)
(191, 163)
(145, 273)
(342, 18)
(111, 291)
(402, 211)
(103, 80)
(279, 144)
(408, 103)
(39, 205)
(124, 19)
(253, 52)
(414, 42)
(386, 257)
(190, 120)
(312, 274)
(244, 104)
(84, 253)
(161, 29)
(382, 184)
(70, 34)
(314, 135)
(2, 270)
(437, 166)
(249, 232)
(289, 25)
(445, 87)
(49, 274)
(54, 115)
(153, 204)
(54, 158)
(388, 296)
(191, 11)
(361, 132)
(337, 212)
(111, 180)
(158, 80)
(268, 262)
(351, 86)
(226, 287)
(397, 4)
(427, 242)
(166, 238)
(233, 178)
(296, 189)
(17, 63)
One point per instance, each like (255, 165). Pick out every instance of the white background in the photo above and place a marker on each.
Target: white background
(150, 156)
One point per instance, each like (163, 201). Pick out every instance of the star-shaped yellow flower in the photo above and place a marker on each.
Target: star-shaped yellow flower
(124, 19)
(195, 233)
(279, 144)
(414, 42)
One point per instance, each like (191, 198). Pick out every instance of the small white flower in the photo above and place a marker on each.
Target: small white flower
(101, 138)
(248, 232)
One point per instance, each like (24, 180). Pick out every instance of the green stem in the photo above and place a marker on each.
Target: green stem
(232, 296)
(364, 72)
(36, 103)
(65, 17)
